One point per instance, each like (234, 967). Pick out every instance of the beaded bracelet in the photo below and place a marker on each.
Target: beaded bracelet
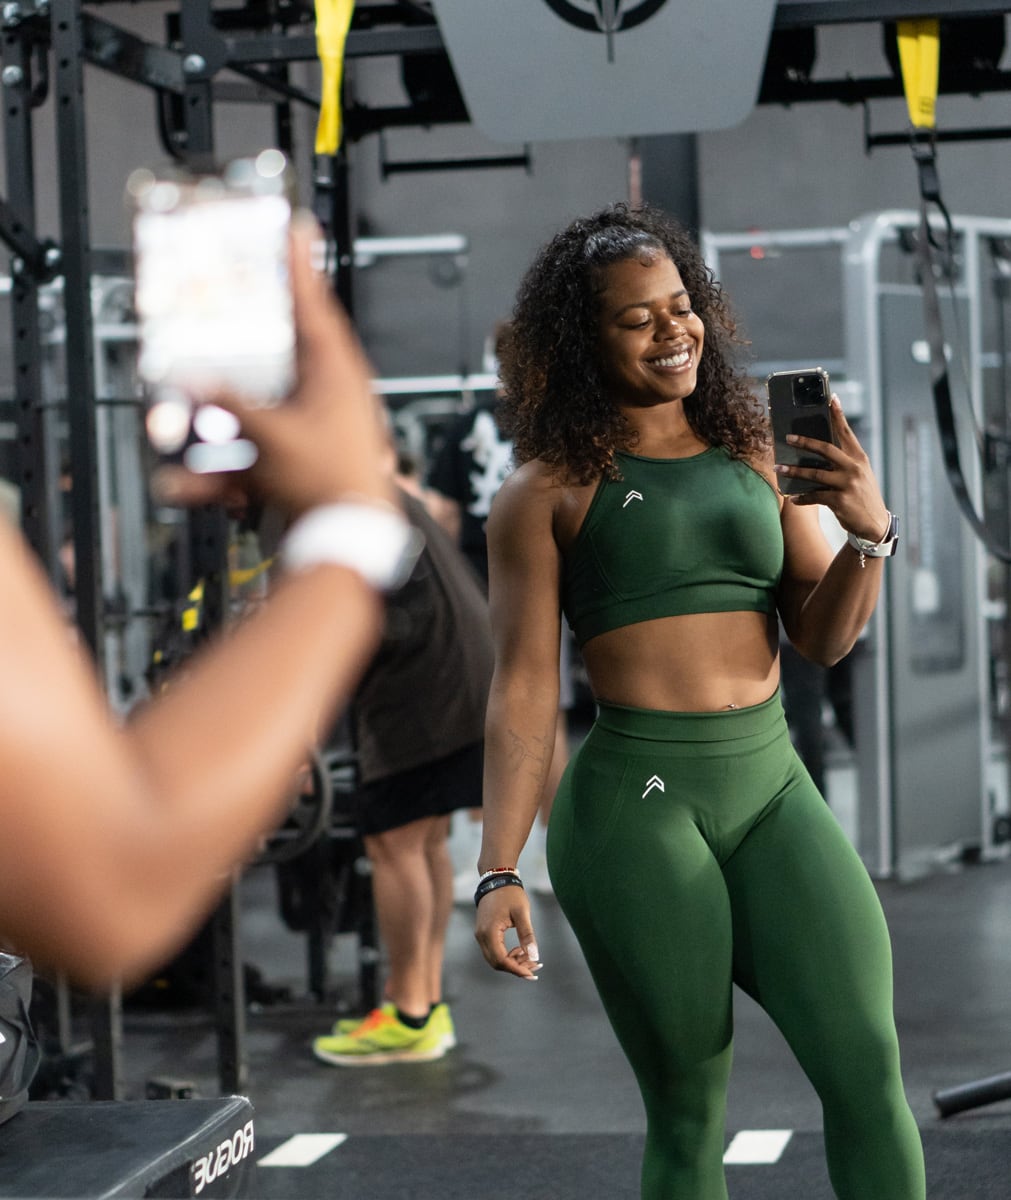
(494, 881)
(498, 871)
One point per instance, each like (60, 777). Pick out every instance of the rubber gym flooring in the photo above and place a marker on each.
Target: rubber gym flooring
(536, 1100)
(961, 1165)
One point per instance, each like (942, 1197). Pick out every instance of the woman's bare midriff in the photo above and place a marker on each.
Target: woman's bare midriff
(702, 662)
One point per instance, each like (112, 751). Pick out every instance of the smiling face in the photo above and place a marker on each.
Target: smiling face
(650, 340)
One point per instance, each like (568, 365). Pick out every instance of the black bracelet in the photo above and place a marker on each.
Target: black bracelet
(501, 879)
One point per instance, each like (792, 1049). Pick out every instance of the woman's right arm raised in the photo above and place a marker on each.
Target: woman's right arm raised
(524, 571)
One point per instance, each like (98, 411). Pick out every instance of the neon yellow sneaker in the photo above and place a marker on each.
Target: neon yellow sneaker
(443, 1022)
(440, 1018)
(348, 1025)
(381, 1039)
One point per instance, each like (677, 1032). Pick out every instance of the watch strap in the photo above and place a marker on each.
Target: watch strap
(883, 549)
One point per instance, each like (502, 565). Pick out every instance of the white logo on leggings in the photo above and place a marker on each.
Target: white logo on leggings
(655, 782)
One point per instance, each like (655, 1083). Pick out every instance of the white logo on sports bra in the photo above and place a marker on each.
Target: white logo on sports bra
(630, 497)
(655, 782)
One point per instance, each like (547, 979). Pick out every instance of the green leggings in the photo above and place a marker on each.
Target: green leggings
(690, 851)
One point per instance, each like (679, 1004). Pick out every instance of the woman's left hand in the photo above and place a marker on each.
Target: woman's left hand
(848, 487)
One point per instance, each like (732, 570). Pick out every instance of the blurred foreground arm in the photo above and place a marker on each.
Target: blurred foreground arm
(114, 843)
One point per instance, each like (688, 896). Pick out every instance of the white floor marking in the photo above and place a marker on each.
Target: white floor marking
(757, 1146)
(302, 1150)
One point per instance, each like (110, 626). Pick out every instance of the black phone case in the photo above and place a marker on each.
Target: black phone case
(809, 420)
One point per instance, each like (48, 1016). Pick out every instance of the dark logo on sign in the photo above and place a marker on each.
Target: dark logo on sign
(608, 17)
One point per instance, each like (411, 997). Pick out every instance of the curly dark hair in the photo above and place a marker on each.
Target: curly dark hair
(556, 406)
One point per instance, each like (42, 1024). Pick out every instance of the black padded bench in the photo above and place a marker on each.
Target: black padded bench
(129, 1149)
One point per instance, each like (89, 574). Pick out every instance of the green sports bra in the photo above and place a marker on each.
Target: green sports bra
(673, 536)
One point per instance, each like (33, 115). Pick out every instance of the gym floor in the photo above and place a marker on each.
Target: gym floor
(540, 1058)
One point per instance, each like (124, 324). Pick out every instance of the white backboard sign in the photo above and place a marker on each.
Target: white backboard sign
(539, 70)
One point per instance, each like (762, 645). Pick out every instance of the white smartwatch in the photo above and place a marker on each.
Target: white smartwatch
(373, 539)
(883, 549)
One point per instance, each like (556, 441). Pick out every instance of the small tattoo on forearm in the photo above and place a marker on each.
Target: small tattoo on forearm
(523, 756)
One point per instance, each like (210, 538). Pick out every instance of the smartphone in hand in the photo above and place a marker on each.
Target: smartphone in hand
(213, 301)
(799, 403)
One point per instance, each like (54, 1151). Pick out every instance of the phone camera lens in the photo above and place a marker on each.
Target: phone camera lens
(807, 389)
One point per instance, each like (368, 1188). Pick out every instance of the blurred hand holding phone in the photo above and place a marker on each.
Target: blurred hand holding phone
(799, 404)
(214, 304)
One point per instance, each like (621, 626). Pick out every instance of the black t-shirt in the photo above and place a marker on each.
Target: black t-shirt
(426, 690)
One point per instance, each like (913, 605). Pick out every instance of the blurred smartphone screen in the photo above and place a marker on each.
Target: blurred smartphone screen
(213, 297)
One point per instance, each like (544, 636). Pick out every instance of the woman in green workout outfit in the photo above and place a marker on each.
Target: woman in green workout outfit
(688, 846)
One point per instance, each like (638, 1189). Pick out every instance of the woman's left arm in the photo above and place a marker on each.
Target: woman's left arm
(825, 602)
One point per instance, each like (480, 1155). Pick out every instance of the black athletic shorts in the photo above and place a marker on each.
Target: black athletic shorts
(431, 790)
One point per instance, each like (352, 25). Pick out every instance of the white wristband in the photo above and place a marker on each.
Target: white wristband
(883, 549)
(379, 543)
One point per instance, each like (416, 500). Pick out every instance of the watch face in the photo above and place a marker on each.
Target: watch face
(891, 538)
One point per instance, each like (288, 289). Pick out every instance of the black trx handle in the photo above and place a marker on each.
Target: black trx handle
(918, 52)
(926, 248)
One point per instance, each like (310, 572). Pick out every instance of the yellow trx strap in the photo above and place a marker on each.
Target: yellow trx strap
(919, 53)
(333, 20)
